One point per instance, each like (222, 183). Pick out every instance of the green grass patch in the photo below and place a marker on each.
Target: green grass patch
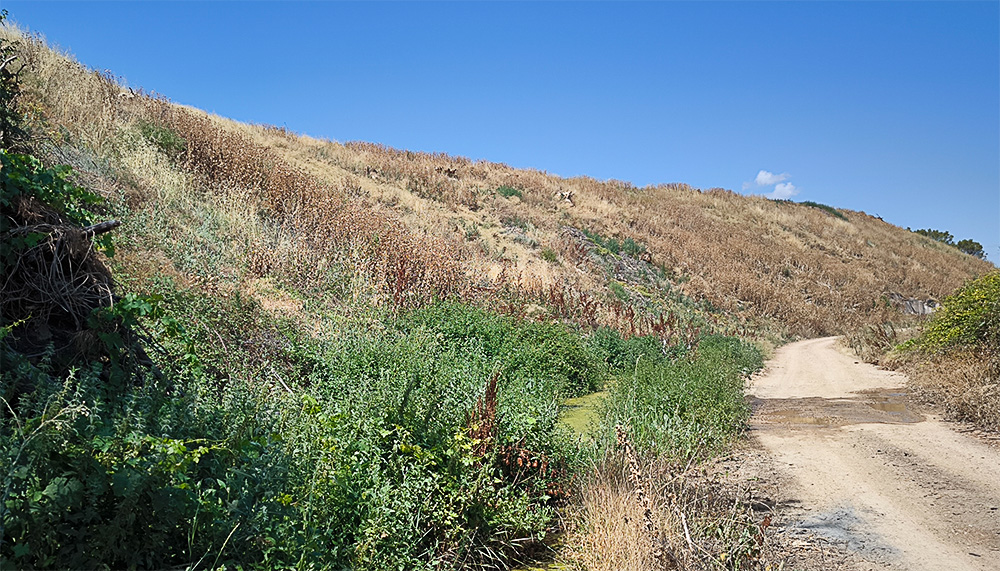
(691, 406)
(509, 191)
(619, 291)
(627, 246)
(828, 209)
(549, 255)
(168, 141)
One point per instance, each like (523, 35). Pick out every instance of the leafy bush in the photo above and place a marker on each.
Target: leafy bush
(23, 177)
(530, 351)
(969, 318)
(937, 235)
(623, 355)
(90, 463)
(972, 248)
(955, 361)
(549, 255)
(968, 246)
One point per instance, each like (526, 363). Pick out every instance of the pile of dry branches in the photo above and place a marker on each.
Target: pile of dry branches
(52, 281)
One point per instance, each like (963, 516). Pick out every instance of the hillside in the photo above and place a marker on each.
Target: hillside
(810, 270)
(302, 353)
(455, 225)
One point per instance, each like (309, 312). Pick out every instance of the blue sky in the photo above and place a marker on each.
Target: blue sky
(890, 108)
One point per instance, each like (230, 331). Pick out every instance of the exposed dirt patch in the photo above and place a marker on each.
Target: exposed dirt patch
(859, 477)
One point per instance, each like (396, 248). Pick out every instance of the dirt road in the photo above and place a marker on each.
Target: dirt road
(861, 470)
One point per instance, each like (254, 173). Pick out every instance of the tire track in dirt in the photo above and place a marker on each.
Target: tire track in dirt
(860, 468)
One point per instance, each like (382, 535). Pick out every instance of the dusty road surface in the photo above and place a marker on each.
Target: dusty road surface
(862, 471)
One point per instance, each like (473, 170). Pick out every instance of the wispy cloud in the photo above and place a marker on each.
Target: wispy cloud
(784, 191)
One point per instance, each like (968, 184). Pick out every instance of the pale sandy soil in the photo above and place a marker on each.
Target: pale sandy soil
(858, 478)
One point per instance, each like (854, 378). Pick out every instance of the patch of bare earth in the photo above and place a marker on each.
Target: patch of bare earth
(858, 478)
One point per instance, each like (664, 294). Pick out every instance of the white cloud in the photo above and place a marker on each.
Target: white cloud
(766, 178)
(783, 191)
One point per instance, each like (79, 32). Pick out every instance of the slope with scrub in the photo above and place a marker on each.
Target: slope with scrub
(311, 354)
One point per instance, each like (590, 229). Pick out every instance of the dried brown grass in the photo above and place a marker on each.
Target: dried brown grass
(762, 259)
(404, 228)
(965, 384)
(697, 524)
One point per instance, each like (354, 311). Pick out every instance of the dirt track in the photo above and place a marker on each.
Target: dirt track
(854, 467)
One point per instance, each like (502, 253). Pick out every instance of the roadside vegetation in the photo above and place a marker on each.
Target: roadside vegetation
(955, 360)
(228, 346)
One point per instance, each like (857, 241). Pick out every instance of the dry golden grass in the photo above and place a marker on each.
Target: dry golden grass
(814, 272)
(611, 535)
(401, 228)
(965, 384)
(697, 524)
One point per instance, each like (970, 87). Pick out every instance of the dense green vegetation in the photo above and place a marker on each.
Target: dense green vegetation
(968, 319)
(424, 439)
(691, 406)
(375, 459)
(509, 191)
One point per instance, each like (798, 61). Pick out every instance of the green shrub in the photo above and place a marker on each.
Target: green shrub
(937, 235)
(619, 291)
(542, 352)
(623, 355)
(967, 319)
(509, 191)
(972, 248)
(167, 140)
(627, 246)
(632, 248)
(23, 177)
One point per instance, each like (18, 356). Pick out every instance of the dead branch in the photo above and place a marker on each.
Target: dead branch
(101, 228)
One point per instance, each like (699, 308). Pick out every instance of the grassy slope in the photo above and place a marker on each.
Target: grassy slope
(804, 268)
(797, 268)
(290, 258)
